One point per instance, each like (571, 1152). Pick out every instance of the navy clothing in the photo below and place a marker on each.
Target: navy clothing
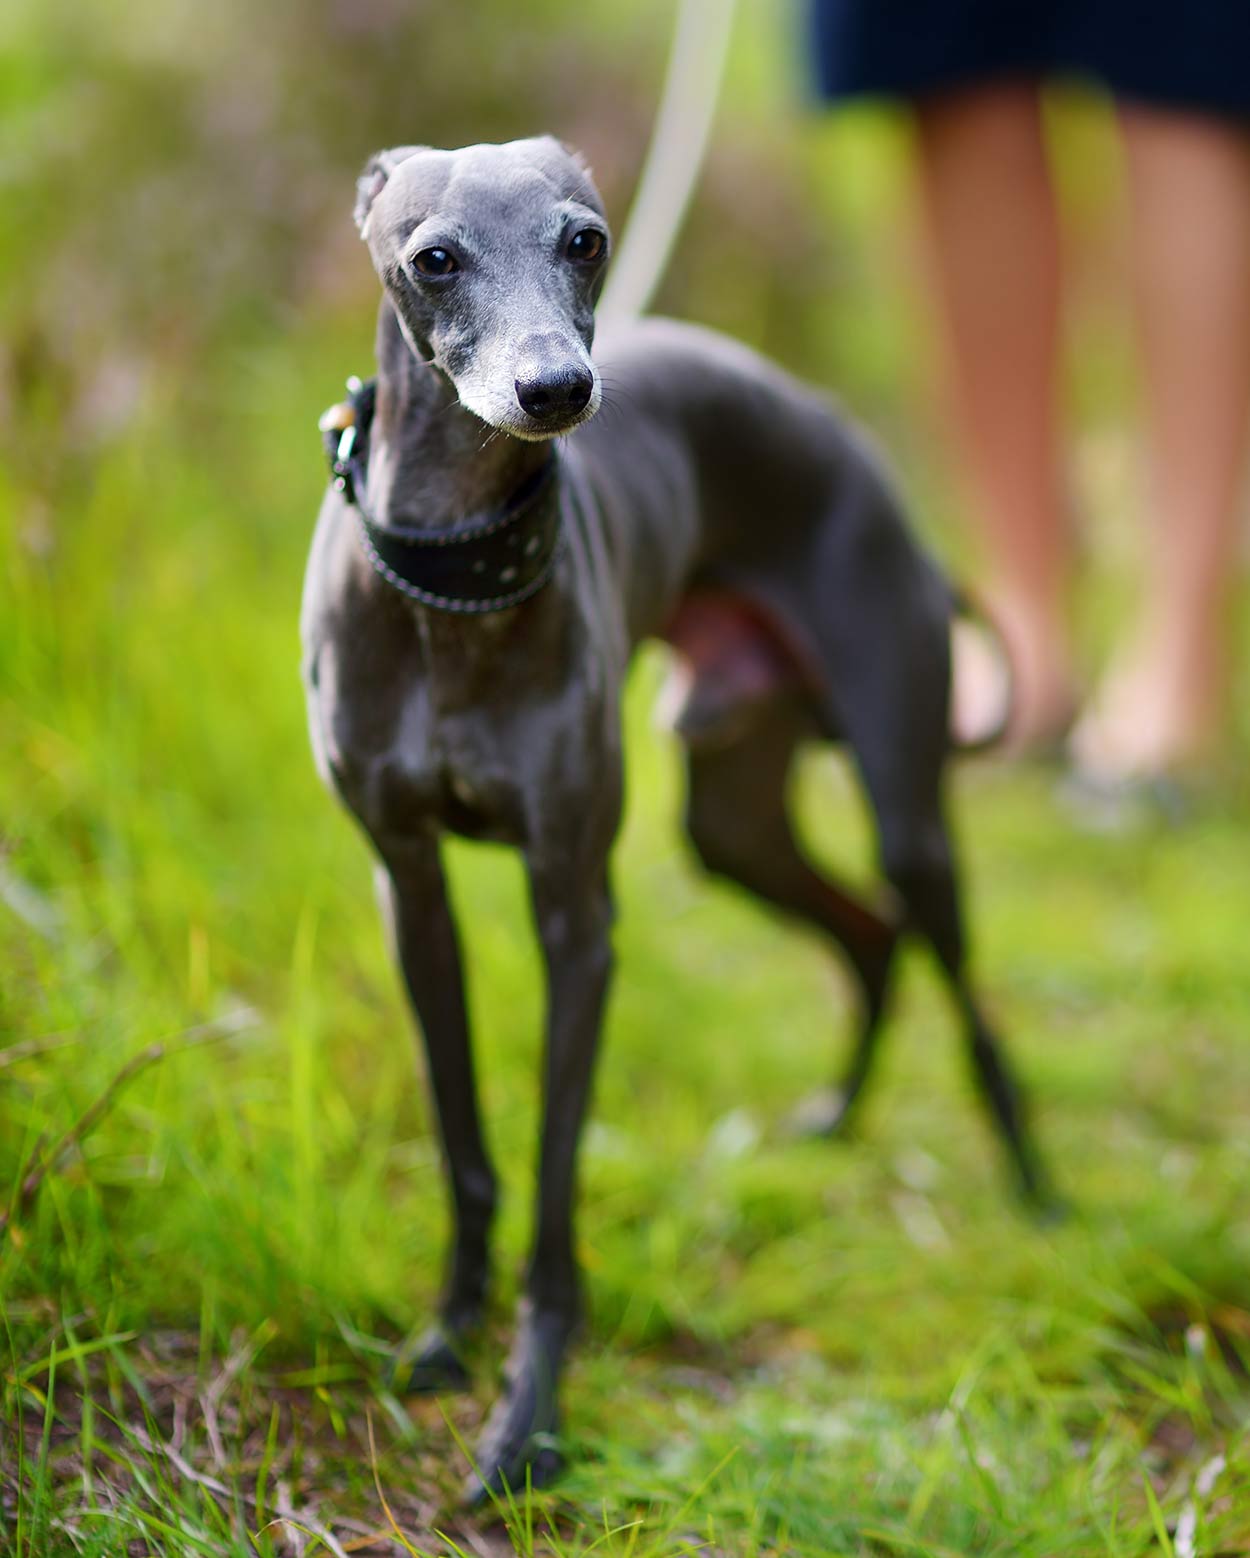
(1192, 54)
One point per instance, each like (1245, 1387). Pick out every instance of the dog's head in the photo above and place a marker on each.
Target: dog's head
(493, 257)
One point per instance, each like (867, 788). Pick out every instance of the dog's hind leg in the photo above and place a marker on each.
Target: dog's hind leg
(738, 821)
(894, 713)
(917, 856)
(413, 897)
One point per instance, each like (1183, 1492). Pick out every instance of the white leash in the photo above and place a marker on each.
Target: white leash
(683, 124)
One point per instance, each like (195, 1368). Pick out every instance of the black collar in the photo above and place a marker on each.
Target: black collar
(488, 565)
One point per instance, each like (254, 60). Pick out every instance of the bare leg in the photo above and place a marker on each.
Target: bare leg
(1189, 180)
(994, 241)
(423, 935)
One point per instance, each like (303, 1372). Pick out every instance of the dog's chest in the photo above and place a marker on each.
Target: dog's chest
(406, 753)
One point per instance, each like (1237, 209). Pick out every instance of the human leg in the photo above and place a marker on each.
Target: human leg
(994, 245)
(1189, 185)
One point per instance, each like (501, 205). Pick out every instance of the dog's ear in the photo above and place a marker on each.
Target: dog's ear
(575, 156)
(566, 166)
(372, 181)
(587, 189)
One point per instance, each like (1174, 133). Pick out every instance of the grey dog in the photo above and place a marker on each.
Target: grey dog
(473, 595)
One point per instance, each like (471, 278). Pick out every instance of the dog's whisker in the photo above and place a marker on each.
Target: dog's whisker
(619, 391)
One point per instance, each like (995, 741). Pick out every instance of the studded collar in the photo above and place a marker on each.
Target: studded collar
(485, 566)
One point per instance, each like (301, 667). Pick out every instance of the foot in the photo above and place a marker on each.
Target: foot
(1125, 804)
(433, 1364)
(981, 685)
(519, 1442)
(1156, 713)
(1042, 685)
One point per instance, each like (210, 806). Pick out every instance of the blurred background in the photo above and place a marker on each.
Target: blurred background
(177, 207)
(182, 290)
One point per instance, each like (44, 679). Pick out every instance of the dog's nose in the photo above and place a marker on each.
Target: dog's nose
(555, 393)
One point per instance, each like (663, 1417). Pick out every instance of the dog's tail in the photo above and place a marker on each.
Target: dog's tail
(983, 679)
(679, 140)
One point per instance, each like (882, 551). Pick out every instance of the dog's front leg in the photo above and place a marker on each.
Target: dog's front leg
(573, 914)
(413, 896)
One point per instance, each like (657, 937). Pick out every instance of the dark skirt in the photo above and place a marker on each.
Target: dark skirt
(1192, 54)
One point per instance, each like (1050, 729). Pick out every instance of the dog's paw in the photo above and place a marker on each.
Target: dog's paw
(433, 1364)
(826, 1113)
(519, 1444)
(1045, 1206)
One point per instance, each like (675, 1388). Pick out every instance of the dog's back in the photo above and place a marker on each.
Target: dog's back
(721, 479)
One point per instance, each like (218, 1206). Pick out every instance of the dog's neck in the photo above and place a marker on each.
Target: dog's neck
(431, 462)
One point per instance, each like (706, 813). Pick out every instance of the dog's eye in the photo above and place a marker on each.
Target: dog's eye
(434, 262)
(586, 245)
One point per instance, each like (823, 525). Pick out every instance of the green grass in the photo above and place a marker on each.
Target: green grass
(793, 1347)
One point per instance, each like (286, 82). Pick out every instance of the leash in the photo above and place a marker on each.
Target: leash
(683, 125)
(459, 570)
